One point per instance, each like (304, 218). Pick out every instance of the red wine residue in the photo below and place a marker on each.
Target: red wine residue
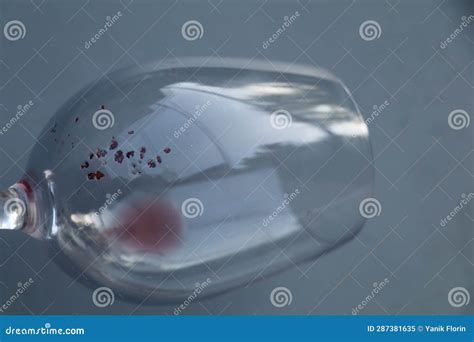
(118, 157)
(95, 175)
(27, 187)
(113, 144)
(142, 152)
(153, 228)
(101, 153)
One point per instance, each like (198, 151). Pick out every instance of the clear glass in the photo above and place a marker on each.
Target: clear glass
(199, 170)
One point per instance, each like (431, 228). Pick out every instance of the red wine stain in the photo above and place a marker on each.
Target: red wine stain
(167, 150)
(113, 144)
(151, 164)
(142, 152)
(158, 159)
(95, 175)
(85, 165)
(131, 132)
(101, 153)
(130, 154)
(154, 228)
(27, 188)
(119, 156)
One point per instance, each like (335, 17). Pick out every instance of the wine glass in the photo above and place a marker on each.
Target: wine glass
(153, 181)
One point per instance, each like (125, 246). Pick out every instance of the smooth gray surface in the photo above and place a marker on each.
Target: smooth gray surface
(423, 166)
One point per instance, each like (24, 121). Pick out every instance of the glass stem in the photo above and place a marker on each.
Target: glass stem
(29, 210)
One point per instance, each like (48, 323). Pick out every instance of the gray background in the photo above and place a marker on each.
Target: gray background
(422, 165)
